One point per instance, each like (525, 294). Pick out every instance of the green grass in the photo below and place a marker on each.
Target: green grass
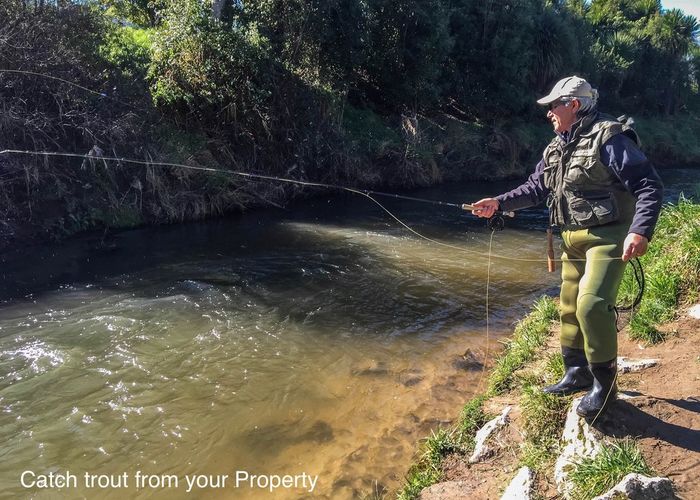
(471, 420)
(529, 336)
(672, 270)
(543, 416)
(594, 476)
(543, 421)
(428, 470)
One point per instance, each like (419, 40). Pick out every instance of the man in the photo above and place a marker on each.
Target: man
(605, 196)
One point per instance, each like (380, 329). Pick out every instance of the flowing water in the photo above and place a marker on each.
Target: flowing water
(323, 340)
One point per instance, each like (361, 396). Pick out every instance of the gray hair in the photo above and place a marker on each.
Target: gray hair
(588, 104)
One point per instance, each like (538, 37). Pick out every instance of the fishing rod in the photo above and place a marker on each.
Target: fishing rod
(496, 222)
(463, 206)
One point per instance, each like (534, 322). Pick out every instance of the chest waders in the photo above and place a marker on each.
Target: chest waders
(594, 212)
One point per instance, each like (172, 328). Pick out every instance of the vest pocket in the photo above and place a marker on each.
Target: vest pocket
(589, 210)
(584, 170)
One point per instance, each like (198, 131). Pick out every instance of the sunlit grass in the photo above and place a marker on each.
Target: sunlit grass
(672, 270)
(428, 469)
(594, 476)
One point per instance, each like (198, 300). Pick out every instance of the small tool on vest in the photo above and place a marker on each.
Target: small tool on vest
(551, 263)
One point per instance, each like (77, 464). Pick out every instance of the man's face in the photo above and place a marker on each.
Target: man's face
(562, 115)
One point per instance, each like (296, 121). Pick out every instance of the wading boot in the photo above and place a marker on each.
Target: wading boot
(576, 378)
(604, 390)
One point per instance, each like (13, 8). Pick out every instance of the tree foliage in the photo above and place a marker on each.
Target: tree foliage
(391, 91)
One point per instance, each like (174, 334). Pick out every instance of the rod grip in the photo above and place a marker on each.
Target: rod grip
(507, 213)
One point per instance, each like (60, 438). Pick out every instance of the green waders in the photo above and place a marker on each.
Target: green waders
(589, 289)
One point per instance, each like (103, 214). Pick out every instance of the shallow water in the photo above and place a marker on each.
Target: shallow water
(322, 340)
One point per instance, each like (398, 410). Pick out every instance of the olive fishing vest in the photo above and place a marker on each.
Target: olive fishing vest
(584, 192)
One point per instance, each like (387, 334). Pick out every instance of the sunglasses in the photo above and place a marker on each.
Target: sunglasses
(558, 103)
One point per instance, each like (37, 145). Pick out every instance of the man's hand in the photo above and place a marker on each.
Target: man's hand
(635, 246)
(486, 207)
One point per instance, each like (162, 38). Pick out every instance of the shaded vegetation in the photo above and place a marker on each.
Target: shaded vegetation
(381, 92)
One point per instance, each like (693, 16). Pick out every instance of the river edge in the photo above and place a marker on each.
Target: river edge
(454, 152)
(531, 359)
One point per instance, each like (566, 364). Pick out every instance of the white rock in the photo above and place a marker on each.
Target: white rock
(578, 441)
(639, 487)
(482, 448)
(626, 365)
(694, 312)
(520, 487)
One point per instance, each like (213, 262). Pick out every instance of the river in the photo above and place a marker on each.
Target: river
(321, 340)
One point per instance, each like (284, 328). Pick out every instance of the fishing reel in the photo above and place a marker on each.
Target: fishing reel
(496, 223)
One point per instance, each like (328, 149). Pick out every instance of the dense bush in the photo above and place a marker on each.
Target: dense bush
(395, 92)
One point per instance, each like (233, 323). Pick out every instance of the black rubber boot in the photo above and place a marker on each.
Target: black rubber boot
(576, 378)
(604, 390)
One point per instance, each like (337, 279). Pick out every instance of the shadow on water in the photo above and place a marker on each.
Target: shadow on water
(100, 260)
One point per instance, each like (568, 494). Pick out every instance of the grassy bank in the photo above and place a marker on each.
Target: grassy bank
(672, 269)
(530, 335)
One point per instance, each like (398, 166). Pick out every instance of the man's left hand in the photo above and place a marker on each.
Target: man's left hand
(635, 246)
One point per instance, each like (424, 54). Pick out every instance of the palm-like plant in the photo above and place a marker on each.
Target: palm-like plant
(673, 36)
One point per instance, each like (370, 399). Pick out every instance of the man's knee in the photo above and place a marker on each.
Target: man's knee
(590, 307)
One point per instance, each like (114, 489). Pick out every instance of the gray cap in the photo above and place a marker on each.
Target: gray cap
(571, 86)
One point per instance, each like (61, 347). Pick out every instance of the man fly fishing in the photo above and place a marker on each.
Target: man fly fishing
(605, 197)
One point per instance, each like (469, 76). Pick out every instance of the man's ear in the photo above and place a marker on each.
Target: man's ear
(575, 105)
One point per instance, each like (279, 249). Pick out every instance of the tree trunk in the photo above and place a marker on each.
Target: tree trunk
(218, 8)
(670, 97)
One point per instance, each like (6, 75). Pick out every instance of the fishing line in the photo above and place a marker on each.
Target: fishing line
(638, 271)
(488, 286)
(366, 193)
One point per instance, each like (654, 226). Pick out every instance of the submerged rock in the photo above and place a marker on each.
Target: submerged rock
(467, 361)
(371, 368)
(320, 432)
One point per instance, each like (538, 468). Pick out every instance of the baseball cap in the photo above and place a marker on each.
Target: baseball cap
(571, 86)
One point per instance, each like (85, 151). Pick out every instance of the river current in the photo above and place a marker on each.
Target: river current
(321, 340)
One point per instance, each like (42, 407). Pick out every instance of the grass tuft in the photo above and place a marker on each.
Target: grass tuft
(594, 476)
(428, 470)
(472, 419)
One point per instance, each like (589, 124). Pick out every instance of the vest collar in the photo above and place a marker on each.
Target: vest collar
(579, 128)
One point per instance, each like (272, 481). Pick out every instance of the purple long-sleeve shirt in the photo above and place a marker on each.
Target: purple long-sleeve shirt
(622, 155)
